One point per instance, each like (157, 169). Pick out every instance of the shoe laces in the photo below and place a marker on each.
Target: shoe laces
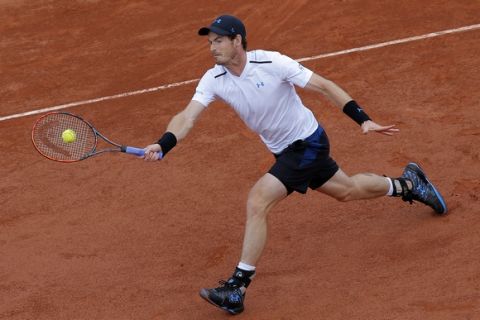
(420, 187)
(229, 288)
(230, 283)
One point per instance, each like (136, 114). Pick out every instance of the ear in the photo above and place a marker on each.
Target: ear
(238, 40)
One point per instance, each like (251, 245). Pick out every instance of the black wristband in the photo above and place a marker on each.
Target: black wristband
(167, 142)
(354, 111)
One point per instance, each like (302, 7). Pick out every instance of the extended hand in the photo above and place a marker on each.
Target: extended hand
(369, 125)
(152, 152)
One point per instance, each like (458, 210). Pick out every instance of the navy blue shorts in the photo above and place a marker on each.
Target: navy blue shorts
(305, 163)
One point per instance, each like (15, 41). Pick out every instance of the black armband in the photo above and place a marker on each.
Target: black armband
(167, 142)
(354, 111)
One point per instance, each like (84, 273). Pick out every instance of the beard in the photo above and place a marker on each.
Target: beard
(224, 59)
(221, 60)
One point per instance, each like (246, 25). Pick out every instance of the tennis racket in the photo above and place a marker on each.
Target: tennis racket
(47, 139)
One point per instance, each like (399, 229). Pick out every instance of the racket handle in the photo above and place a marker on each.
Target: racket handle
(138, 152)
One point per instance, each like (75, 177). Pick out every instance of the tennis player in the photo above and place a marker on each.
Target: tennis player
(260, 86)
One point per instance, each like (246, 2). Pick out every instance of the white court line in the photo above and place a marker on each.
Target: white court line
(177, 84)
(393, 42)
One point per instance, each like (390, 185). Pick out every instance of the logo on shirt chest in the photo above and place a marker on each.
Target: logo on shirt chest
(260, 84)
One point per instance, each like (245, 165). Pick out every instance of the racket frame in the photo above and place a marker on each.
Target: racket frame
(93, 152)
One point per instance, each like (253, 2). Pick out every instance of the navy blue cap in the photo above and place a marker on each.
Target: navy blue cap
(225, 25)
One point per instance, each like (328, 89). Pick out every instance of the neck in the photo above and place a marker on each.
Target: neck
(237, 64)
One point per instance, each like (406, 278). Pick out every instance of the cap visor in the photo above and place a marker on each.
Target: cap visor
(205, 31)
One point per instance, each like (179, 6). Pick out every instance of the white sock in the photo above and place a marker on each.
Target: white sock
(245, 267)
(390, 190)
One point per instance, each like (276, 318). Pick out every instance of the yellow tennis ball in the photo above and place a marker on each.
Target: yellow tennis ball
(69, 136)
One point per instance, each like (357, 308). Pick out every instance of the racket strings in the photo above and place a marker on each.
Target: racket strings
(47, 137)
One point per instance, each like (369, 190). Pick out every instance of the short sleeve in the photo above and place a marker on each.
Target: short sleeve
(204, 93)
(293, 71)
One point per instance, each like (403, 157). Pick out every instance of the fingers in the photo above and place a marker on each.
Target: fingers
(151, 155)
(387, 133)
(386, 130)
(389, 130)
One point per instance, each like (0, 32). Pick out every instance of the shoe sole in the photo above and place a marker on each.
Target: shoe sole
(204, 294)
(418, 169)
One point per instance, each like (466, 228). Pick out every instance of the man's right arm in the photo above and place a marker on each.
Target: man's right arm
(177, 129)
(181, 123)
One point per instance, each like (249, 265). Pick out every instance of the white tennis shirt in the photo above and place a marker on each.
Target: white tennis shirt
(264, 97)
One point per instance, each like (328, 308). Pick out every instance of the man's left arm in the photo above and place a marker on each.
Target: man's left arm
(342, 100)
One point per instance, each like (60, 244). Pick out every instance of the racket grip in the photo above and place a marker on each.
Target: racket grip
(138, 152)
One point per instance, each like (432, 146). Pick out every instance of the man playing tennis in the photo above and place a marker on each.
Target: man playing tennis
(259, 86)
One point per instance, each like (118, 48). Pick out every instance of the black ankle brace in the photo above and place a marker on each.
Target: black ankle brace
(243, 277)
(405, 192)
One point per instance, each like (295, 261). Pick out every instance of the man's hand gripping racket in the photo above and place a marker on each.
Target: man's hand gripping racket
(153, 152)
(64, 137)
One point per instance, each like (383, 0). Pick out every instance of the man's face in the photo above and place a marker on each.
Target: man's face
(222, 48)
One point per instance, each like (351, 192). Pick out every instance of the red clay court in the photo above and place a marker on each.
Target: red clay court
(113, 237)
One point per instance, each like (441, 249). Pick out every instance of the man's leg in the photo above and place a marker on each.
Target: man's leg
(359, 186)
(264, 195)
(412, 185)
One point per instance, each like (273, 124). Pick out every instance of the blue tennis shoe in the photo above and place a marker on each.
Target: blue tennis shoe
(423, 190)
(228, 296)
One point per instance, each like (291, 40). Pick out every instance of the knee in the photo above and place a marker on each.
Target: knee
(256, 207)
(267, 192)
